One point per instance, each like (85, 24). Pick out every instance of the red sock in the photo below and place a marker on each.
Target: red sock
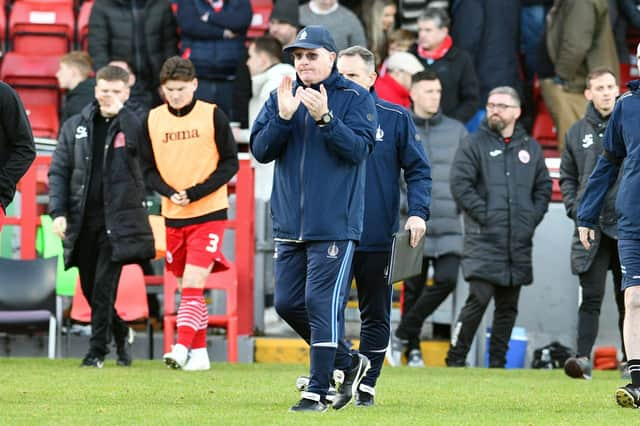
(200, 339)
(189, 315)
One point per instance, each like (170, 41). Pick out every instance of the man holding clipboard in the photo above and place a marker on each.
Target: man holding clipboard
(396, 148)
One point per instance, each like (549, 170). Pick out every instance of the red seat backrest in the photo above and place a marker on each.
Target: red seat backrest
(41, 27)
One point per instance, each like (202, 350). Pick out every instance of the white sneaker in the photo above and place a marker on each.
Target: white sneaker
(198, 360)
(177, 358)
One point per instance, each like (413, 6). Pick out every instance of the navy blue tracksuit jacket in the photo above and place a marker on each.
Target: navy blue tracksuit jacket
(396, 148)
(621, 141)
(319, 177)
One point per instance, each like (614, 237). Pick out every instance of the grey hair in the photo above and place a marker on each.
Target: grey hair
(365, 54)
(506, 90)
(439, 16)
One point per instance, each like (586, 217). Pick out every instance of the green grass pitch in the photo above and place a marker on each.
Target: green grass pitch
(58, 392)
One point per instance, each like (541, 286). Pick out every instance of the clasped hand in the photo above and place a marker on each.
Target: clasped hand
(180, 198)
(315, 101)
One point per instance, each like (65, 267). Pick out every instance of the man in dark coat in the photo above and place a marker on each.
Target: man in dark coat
(97, 202)
(141, 32)
(582, 149)
(17, 149)
(500, 182)
(74, 76)
(454, 67)
(488, 30)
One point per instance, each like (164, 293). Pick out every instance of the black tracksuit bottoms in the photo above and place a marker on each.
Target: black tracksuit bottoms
(99, 277)
(504, 317)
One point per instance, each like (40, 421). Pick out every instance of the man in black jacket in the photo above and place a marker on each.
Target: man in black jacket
(17, 150)
(454, 67)
(500, 182)
(73, 76)
(141, 32)
(583, 146)
(97, 202)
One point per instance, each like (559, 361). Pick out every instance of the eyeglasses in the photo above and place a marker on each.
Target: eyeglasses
(311, 56)
(500, 107)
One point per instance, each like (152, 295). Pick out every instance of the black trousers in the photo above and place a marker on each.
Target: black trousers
(374, 301)
(99, 278)
(593, 283)
(420, 301)
(504, 317)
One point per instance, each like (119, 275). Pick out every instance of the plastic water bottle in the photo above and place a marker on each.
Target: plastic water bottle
(545, 357)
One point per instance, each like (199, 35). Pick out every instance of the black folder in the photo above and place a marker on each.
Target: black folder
(406, 261)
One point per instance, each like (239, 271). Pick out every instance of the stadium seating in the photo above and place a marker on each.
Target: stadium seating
(28, 297)
(131, 301)
(41, 28)
(224, 280)
(260, 21)
(33, 77)
(83, 25)
(44, 120)
(543, 128)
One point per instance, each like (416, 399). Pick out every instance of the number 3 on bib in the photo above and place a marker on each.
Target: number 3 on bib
(213, 243)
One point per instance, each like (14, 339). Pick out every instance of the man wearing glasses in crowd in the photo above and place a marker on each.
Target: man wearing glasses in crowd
(500, 182)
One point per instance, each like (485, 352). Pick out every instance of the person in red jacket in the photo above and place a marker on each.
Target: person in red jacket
(394, 85)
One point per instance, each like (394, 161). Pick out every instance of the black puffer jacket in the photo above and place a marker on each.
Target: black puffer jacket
(583, 146)
(111, 35)
(460, 87)
(503, 190)
(17, 150)
(125, 215)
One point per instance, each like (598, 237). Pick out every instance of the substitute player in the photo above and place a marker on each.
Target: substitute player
(189, 160)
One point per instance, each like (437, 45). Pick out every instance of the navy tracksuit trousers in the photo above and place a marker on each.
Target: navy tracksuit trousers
(374, 301)
(310, 282)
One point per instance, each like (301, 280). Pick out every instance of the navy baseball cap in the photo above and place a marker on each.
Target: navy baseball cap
(313, 37)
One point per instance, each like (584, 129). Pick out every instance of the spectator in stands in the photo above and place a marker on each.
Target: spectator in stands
(488, 30)
(192, 179)
(440, 137)
(343, 24)
(399, 41)
(284, 23)
(410, 10)
(435, 49)
(578, 39)
(141, 32)
(397, 149)
(395, 84)
(17, 150)
(532, 16)
(583, 147)
(501, 183)
(74, 76)
(379, 19)
(139, 99)
(619, 25)
(620, 144)
(266, 74)
(212, 36)
(96, 196)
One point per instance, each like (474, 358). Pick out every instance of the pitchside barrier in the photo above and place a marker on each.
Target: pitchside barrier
(34, 184)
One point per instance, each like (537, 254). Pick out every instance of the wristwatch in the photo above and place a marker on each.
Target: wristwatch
(325, 119)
